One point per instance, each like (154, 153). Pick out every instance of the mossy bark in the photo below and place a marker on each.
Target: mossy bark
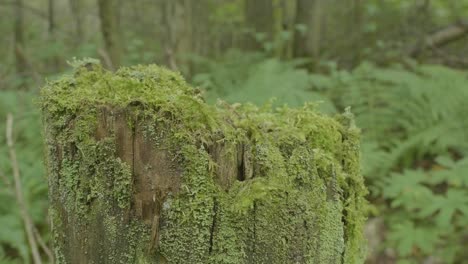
(141, 170)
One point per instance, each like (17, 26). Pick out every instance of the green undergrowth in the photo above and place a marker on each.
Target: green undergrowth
(413, 118)
(296, 196)
(28, 147)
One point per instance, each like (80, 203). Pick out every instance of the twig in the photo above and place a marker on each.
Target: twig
(44, 246)
(28, 223)
(441, 37)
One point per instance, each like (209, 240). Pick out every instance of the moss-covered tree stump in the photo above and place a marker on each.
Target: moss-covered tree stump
(142, 170)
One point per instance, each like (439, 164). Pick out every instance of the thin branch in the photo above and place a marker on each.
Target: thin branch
(44, 246)
(446, 35)
(28, 223)
(441, 37)
(451, 59)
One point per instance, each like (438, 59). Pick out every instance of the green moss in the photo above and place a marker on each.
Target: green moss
(57, 236)
(298, 196)
(188, 222)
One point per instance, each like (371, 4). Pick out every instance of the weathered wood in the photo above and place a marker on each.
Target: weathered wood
(141, 170)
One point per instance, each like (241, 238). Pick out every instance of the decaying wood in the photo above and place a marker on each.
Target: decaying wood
(441, 37)
(170, 179)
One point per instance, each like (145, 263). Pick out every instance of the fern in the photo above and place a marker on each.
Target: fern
(256, 79)
(414, 124)
(28, 145)
(433, 202)
(409, 114)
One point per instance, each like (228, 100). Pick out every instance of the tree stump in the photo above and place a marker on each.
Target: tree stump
(142, 170)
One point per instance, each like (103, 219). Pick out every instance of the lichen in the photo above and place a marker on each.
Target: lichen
(297, 195)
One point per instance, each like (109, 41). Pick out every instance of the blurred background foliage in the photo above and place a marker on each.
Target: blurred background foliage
(400, 64)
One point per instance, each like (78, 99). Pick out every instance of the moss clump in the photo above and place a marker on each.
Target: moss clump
(137, 157)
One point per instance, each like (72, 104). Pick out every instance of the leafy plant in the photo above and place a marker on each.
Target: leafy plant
(415, 151)
(255, 78)
(434, 211)
(29, 147)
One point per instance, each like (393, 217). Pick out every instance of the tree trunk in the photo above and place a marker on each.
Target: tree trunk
(76, 11)
(259, 22)
(309, 22)
(108, 14)
(356, 31)
(177, 21)
(141, 170)
(287, 25)
(54, 61)
(51, 18)
(441, 37)
(20, 61)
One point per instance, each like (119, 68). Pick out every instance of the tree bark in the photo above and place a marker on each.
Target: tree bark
(51, 17)
(308, 36)
(152, 174)
(20, 62)
(309, 16)
(287, 24)
(76, 10)
(202, 37)
(108, 15)
(356, 30)
(259, 22)
(54, 61)
(441, 37)
(177, 21)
